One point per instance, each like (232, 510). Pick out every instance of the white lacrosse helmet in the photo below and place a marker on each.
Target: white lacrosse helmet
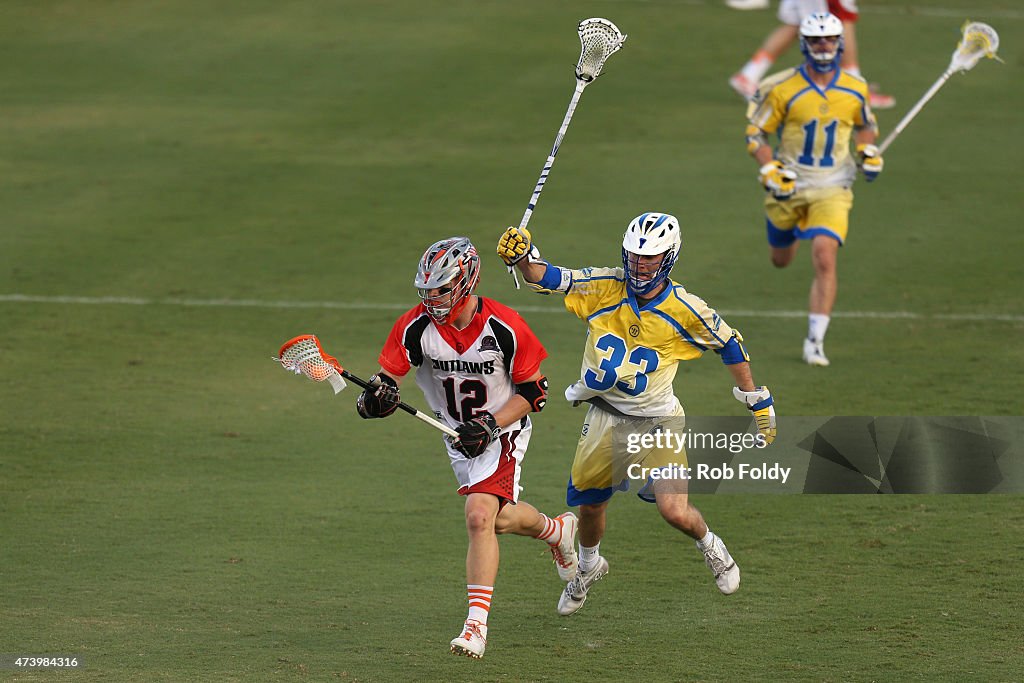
(650, 234)
(453, 267)
(821, 25)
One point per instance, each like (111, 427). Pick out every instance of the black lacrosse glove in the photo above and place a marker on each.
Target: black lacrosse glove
(379, 401)
(477, 434)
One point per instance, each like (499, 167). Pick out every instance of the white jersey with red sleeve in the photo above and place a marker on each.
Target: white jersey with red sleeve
(464, 372)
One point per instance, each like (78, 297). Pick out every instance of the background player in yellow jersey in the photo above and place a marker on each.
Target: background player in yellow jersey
(814, 109)
(640, 325)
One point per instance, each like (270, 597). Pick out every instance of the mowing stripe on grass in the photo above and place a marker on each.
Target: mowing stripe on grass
(385, 306)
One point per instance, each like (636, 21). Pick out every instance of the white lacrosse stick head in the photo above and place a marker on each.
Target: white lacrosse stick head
(303, 355)
(599, 40)
(978, 40)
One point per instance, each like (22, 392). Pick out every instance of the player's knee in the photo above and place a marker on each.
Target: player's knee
(824, 261)
(593, 512)
(479, 520)
(781, 259)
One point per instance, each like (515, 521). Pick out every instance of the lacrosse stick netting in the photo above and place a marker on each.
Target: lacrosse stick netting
(304, 355)
(599, 40)
(977, 40)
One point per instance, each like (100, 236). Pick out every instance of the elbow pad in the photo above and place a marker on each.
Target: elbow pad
(755, 138)
(535, 393)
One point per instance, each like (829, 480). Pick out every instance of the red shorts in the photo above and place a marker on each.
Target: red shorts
(503, 482)
(845, 10)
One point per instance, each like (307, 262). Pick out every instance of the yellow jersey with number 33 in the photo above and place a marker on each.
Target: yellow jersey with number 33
(633, 351)
(814, 124)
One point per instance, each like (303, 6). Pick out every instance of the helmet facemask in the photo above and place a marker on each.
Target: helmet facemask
(448, 273)
(650, 235)
(643, 275)
(821, 41)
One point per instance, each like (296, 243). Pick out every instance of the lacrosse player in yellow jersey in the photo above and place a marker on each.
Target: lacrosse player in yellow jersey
(814, 109)
(640, 325)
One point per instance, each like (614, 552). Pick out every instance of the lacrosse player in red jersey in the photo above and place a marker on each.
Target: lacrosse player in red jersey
(478, 365)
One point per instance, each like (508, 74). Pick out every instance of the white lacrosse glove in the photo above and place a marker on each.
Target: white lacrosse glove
(778, 179)
(515, 244)
(871, 162)
(760, 403)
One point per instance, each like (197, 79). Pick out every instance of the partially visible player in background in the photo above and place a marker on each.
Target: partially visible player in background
(478, 365)
(640, 325)
(814, 110)
(791, 12)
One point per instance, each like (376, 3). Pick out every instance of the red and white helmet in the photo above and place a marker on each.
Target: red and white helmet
(451, 269)
(815, 27)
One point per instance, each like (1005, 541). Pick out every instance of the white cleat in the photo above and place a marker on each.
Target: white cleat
(721, 564)
(748, 4)
(745, 87)
(471, 642)
(814, 353)
(564, 552)
(575, 593)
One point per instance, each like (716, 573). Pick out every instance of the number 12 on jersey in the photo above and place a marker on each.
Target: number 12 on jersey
(643, 359)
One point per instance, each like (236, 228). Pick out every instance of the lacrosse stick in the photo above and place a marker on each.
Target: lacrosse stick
(303, 355)
(599, 40)
(978, 40)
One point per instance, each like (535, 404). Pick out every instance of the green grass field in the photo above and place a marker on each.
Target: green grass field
(173, 507)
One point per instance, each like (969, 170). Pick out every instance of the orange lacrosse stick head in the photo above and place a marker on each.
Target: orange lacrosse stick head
(304, 354)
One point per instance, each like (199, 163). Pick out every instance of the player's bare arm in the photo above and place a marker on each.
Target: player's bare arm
(742, 376)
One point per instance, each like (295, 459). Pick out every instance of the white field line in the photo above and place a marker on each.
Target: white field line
(384, 306)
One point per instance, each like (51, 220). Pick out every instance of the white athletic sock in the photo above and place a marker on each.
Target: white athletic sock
(588, 556)
(758, 66)
(817, 325)
(479, 604)
(706, 542)
(552, 531)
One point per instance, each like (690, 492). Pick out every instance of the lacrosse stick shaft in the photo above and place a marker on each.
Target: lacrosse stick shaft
(404, 406)
(905, 121)
(580, 85)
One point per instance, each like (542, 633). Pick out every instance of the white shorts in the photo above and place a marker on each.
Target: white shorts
(497, 469)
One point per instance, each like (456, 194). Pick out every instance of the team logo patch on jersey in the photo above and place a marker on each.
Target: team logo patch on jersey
(634, 330)
(488, 343)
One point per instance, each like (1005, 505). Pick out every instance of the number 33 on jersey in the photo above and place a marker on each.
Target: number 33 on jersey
(633, 351)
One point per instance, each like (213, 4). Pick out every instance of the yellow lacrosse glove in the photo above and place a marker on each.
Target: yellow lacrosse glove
(760, 403)
(514, 245)
(871, 162)
(778, 179)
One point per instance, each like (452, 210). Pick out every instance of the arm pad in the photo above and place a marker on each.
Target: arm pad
(733, 352)
(535, 393)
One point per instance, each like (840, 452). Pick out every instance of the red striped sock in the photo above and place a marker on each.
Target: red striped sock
(552, 532)
(479, 603)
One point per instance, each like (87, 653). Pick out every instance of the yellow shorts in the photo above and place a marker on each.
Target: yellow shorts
(614, 449)
(807, 214)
